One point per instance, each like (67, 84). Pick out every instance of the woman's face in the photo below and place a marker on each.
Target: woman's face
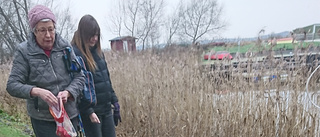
(93, 40)
(45, 34)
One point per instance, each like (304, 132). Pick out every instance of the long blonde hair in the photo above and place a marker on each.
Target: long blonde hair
(87, 28)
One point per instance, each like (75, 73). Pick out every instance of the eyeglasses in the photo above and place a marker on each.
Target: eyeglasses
(44, 31)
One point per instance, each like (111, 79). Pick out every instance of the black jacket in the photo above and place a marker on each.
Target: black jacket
(103, 87)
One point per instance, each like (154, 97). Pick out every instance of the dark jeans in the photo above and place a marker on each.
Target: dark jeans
(105, 128)
(43, 128)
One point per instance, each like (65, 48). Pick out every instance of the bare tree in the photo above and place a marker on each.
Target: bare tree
(116, 17)
(14, 22)
(152, 12)
(172, 24)
(200, 18)
(124, 19)
(2, 56)
(140, 19)
(131, 9)
(65, 23)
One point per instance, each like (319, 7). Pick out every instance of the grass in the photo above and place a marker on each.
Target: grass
(10, 132)
(11, 126)
(169, 93)
(13, 117)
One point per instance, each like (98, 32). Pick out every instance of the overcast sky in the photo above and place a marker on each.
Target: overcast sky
(245, 18)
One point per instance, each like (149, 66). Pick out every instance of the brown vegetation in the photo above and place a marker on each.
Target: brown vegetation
(169, 93)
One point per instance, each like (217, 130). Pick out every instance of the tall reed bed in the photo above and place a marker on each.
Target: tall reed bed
(170, 93)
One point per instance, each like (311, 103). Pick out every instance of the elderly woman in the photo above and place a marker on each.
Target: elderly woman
(39, 74)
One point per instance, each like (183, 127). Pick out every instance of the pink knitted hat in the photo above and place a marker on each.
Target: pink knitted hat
(38, 13)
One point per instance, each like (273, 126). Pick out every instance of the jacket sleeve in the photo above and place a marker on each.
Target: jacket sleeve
(87, 111)
(16, 84)
(77, 84)
(114, 97)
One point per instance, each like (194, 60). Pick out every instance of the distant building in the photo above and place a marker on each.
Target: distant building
(310, 32)
(124, 44)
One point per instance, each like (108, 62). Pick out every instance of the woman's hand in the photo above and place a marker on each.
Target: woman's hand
(94, 118)
(45, 95)
(64, 95)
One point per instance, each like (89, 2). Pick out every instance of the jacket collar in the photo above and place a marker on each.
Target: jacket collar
(34, 48)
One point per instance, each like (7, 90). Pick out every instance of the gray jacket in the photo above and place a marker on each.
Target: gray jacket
(33, 68)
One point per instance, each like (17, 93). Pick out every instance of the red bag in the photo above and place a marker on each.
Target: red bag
(64, 125)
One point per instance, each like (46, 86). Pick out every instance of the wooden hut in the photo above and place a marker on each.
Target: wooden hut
(124, 44)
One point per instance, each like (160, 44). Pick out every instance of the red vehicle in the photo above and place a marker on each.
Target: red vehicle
(206, 56)
(220, 55)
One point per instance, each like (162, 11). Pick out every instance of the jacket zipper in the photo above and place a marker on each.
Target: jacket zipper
(54, 73)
